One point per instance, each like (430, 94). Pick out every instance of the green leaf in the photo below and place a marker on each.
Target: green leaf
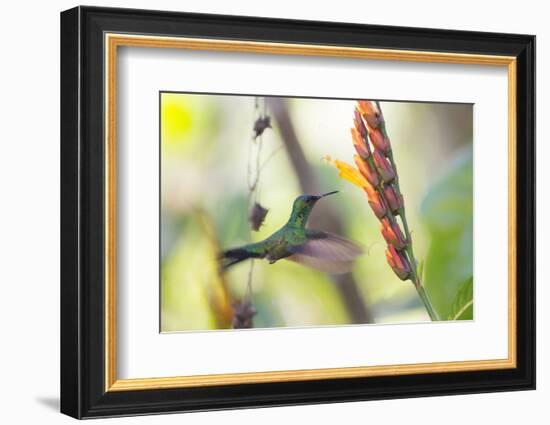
(463, 304)
(447, 212)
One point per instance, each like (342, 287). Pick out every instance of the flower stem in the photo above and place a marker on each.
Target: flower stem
(426, 301)
(415, 279)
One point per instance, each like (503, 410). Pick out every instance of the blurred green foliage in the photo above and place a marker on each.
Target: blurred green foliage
(463, 304)
(447, 212)
(204, 300)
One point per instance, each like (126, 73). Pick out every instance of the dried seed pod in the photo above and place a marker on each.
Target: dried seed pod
(243, 313)
(261, 124)
(257, 216)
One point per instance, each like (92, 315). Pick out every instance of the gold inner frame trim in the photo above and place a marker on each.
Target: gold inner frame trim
(113, 41)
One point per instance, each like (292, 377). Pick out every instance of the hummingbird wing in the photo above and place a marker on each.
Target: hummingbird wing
(326, 252)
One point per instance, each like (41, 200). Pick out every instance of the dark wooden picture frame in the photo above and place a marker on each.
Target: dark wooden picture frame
(89, 387)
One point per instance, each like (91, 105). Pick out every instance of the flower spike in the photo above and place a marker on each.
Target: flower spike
(376, 173)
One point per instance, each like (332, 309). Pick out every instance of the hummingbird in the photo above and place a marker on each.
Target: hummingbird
(320, 250)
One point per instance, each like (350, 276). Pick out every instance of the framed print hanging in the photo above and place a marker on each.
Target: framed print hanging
(261, 212)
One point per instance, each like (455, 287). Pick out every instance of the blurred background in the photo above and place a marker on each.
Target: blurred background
(208, 154)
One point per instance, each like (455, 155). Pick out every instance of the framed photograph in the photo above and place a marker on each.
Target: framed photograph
(261, 212)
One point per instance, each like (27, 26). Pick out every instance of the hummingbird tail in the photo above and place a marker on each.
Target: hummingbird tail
(234, 256)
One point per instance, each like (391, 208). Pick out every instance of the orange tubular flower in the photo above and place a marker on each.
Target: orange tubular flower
(379, 141)
(378, 206)
(392, 234)
(367, 171)
(376, 201)
(362, 148)
(370, 113)
(394, 199)
(348, 172)
(383, 166)
(398, 262)
(359, 124)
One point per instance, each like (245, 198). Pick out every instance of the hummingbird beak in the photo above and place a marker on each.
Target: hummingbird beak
(328, 193)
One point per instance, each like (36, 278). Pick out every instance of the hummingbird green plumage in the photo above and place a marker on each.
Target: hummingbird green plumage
(320, 250)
